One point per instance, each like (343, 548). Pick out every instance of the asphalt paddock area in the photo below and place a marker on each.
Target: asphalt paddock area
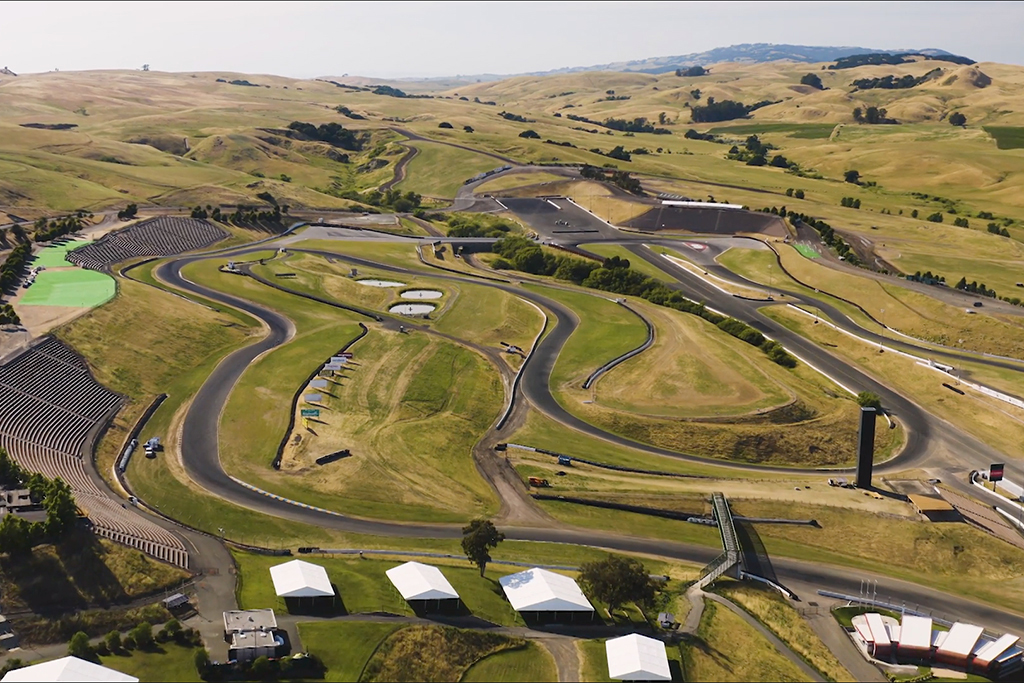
(707, 221)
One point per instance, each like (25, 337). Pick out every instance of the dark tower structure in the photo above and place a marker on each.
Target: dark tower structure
(866, 447)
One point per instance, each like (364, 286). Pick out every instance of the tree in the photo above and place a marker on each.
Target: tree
(113, 641)
(812, 80)
(852, 177)
(11, 473)
(869, 399)
(468, 129)
(143, 635)
(619, 153)
(478, 538)
(202, 661)
(17, 535)
(799, 194)
(61, 512)
(616, 580)
(263, 668)
(129, 212)
(530, 135)
(445, 124)
(79, 646)
(957, 119)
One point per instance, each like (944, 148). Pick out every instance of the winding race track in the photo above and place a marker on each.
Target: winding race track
(926, 435)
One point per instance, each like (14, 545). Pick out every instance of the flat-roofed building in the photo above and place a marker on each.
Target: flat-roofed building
(956, 649)
(915, 637)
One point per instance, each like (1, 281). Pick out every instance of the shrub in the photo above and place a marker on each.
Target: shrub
(79, 646)
(869, 399)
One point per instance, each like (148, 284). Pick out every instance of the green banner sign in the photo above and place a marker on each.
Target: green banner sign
(310, 412)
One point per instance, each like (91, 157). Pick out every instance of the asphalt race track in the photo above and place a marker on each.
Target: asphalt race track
(200, 441)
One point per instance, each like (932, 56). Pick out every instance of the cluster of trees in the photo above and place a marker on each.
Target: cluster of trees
(8, 316)
(957, 119)
(141, 637)
(637, 125)
(474, 226)
(618, 152)
(928, 278)
(129, 212)
(812, 80)
(872, 115)
(620, 178)
(713, 111)
(875, 58)
(58, 227)
(615, 275)
(202, 213)
(615, 98)
(334, 134)
(975, 288)
(827, 234)
(755, 153)
(244, 216)
(692, 72)
(790, 192)
(392, 199)
(850, 202)
(936, 217)
(509, 116)
(18, 535)
(892, 82)
(11, 269)
(852, 176)
(996, 230)
(345, 111)
(691, 134)
(564, 143)
(388, 91)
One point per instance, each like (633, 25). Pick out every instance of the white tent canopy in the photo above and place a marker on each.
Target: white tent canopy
(417, 581)
(298, 579)
(68, 669)
(637, 658)
(539, 590)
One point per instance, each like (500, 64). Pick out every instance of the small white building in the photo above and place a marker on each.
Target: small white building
(68, 669)
(637, 658)
(540, 594)
(302, 583)
(423, 586)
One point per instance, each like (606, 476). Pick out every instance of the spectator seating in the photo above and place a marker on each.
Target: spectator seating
(161, 236)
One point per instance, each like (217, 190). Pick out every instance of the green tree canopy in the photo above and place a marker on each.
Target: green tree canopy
(616, 580)
(79, 646)
(479, 537)
(869, 399)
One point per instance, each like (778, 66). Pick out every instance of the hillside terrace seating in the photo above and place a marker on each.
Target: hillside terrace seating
(161, 236)
(49, 402)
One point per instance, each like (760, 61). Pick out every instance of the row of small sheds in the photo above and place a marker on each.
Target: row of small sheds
(915, 639)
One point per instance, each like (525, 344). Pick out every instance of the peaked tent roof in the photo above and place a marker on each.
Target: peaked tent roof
(539, 590)
(69, 669)
(416, 581)
(299, 579)
(637, 658)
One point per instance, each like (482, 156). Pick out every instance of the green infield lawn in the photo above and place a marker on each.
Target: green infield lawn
(361, 641)
(530, 663)
(73, 288)
(53, 256)
(168, 662)
(807, 251)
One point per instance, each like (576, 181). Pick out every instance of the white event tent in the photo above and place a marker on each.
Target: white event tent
(68, 669)
(299, 579)
(542, 591)
(637, 658)
(423, 584)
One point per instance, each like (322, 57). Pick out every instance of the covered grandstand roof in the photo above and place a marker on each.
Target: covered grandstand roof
(992, 650)
(299, 579)
(916, 633)
(68, 669)
(416, 581)
(539, 590)
(637, 658)
(960, 641)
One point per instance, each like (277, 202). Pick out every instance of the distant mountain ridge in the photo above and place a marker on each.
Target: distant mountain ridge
(745, 52)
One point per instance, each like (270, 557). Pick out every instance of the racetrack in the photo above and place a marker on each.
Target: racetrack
(199, 440)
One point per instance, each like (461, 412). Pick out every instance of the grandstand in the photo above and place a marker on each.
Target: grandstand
(715, 221)
(155, 237)
(49, 404)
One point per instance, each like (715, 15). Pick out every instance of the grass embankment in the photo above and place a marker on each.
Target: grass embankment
(361, 640)
(911, 312)
(164, 344)
(440, 170)
(528, 663)
(511, 181)
(815, 427)
(772, 610)
(995, 422)
(434, 653)
(446, 396)
(726, 648)
(845, 615)
(166, 662)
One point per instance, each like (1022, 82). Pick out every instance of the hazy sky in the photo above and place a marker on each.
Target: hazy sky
(305, 39)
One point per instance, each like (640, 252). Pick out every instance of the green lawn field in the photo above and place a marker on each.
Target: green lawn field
(72, 287)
